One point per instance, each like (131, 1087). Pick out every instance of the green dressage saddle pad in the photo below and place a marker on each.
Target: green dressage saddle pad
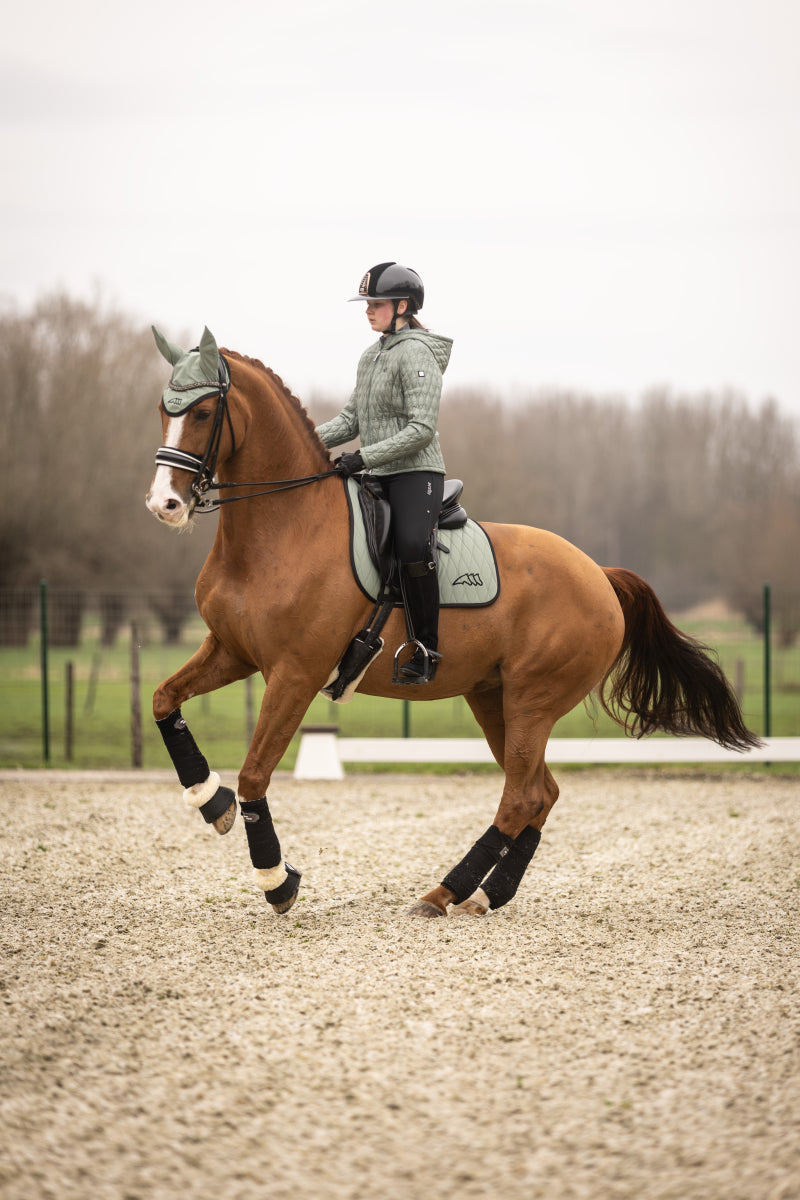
(467, 566)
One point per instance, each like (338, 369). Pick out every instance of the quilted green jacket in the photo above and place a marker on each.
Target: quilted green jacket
(394, 408)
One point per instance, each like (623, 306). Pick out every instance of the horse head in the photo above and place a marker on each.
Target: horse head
(193, 411)
(261, 426)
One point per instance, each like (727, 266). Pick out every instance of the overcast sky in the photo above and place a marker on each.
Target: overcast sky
(603, 194)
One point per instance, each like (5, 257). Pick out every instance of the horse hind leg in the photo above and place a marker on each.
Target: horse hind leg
(490, 873)
(487, 707)
(502, 883)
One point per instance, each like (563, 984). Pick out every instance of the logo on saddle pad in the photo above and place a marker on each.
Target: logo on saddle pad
(467, 569)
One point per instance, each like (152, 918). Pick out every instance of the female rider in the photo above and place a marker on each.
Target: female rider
(394, 410)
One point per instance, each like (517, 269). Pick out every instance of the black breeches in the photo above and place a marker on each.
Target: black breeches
(415, 498)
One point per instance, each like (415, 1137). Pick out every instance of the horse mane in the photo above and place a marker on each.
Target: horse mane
(286, 392)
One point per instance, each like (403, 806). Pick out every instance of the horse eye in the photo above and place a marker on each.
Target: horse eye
(199, 415)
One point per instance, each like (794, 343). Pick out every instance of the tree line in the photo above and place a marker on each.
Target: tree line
(699, 494)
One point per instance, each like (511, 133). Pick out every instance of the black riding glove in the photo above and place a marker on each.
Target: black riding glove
(349, 464)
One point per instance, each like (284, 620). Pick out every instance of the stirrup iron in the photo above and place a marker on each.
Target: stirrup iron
(431, 658)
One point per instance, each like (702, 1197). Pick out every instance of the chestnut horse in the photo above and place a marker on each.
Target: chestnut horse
(278, 596)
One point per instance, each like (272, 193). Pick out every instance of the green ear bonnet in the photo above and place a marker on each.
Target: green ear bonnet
(196, 374)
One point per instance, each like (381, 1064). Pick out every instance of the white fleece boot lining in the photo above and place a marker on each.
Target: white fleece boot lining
(334, 675)
(199, 793)
(268, 878)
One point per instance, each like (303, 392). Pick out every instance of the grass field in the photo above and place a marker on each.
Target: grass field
(102, 707)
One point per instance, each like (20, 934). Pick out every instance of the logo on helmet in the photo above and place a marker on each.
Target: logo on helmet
(392, 281)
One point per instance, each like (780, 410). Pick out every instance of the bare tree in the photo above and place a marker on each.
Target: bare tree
(79, 389)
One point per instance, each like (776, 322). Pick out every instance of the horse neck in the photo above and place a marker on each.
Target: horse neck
(275, 441)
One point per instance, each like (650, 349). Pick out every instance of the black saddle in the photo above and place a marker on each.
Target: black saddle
(378, 520)
(367, 644)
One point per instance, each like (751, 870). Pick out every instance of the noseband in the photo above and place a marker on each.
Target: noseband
(204, 468)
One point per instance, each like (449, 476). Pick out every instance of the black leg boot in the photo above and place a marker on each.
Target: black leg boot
(421, 593)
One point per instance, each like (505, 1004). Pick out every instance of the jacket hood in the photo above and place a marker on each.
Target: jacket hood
(438, 345)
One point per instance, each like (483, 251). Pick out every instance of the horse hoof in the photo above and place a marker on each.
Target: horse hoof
(469, 908)
(424, 909)
(224, 823)
(476, 905)
(283, 897)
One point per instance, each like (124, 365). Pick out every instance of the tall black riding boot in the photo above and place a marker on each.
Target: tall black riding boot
(421, 591)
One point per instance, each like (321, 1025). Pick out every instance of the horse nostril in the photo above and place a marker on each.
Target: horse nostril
(172, 504)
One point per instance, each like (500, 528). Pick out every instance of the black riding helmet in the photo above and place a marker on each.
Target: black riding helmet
(391, 281)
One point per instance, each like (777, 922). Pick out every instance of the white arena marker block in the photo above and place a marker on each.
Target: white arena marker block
(318, 753)
(623, 750)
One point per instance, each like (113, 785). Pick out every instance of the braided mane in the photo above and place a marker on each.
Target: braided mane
(287, 394)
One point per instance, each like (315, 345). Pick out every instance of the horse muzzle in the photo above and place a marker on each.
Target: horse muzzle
(170, 510)
(164, 500)
(166, 503)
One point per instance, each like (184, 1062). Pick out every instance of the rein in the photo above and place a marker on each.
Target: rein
(203, 468)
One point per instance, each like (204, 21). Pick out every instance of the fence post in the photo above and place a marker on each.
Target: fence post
(136, 700)
(767, 662)
(45, 681)
(69, 699)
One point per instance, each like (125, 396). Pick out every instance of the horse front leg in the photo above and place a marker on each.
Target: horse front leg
(283, 707)
(212, 667)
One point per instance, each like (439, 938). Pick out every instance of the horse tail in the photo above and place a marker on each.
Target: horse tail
(664, 679)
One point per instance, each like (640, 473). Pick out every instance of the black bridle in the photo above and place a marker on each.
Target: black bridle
(204, 468)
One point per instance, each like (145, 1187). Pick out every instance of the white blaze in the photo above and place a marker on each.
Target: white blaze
(163, 499)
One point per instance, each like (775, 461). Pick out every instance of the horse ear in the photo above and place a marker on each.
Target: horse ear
(209, 355)
(172, 353)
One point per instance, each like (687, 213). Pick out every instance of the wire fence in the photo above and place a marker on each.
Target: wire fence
(78, 669)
